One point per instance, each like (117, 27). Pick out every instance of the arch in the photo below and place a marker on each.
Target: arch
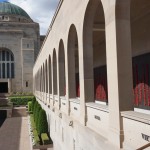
(73, 63)
(7, 66)
(54, 72)
(50, 74)
(38, 79)
(94, 52)
(61, 60)
(139, 19)
(43, 78)
(46, 77)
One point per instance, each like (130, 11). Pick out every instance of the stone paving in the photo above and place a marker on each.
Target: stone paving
(14, 134)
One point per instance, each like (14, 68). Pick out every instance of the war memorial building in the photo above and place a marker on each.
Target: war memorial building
(19, 47)
(92, 74)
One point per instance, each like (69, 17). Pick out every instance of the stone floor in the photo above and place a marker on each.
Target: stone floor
(14, 134)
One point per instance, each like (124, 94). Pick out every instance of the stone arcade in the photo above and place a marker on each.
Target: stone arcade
(92, 75)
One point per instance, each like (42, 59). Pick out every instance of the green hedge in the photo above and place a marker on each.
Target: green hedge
(21, 100)
(33, 102)
(37, 112)
(39, 123)
(32, 122)
(36, 137)
(42, 123)
(35, 133)
(45, 139)
(30, 106)
(34, 110)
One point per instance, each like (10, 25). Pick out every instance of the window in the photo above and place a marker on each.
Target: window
(6, 64)
(26, 83)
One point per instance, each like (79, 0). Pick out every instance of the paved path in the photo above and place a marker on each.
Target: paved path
(14, 134)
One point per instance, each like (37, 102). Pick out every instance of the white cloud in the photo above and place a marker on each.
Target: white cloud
(40, 11)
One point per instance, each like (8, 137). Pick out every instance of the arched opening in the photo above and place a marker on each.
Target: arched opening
(73, 63)
(38, 80)
(43, 78)
(140, 35)
(46, 76)
(7, 67)
(50, 75)
(94, 51)
(41, 89)
(54, 73)
(61, 58)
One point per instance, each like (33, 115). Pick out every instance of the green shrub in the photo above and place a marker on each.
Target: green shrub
(35, 133)
(34, 110)
(21, 100)
(32, 122)
(36, 137)
(42, 123)
(38, 108)
(33, 103)
(45, 139)
(30, 106)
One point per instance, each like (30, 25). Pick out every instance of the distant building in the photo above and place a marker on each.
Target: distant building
(19, 47)
(42, 38)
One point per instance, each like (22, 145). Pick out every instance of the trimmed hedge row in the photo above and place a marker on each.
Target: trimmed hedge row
(38, 123)
(32, 122)
(30, 106)
(35, 133)
(36, 137)
(42, 126)
(21, 100)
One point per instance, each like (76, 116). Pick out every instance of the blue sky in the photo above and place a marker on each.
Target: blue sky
(32, 7)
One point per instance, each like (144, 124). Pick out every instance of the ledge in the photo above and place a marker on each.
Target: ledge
(63, 98)
(140, 117)
(98, 106)
(56, 98)
(42, 146)
(75, 100)
(50, 96)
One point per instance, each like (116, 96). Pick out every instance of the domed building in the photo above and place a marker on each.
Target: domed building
(19, 46)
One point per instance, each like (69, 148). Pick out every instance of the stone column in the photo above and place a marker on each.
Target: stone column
(119, 66)
(46, 82)
(86, 60)
(48, 78)
(57, 102)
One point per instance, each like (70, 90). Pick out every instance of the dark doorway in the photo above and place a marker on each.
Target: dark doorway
(3, 115)
(3, 87)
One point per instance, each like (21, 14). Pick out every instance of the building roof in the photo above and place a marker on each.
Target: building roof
(11, 9)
